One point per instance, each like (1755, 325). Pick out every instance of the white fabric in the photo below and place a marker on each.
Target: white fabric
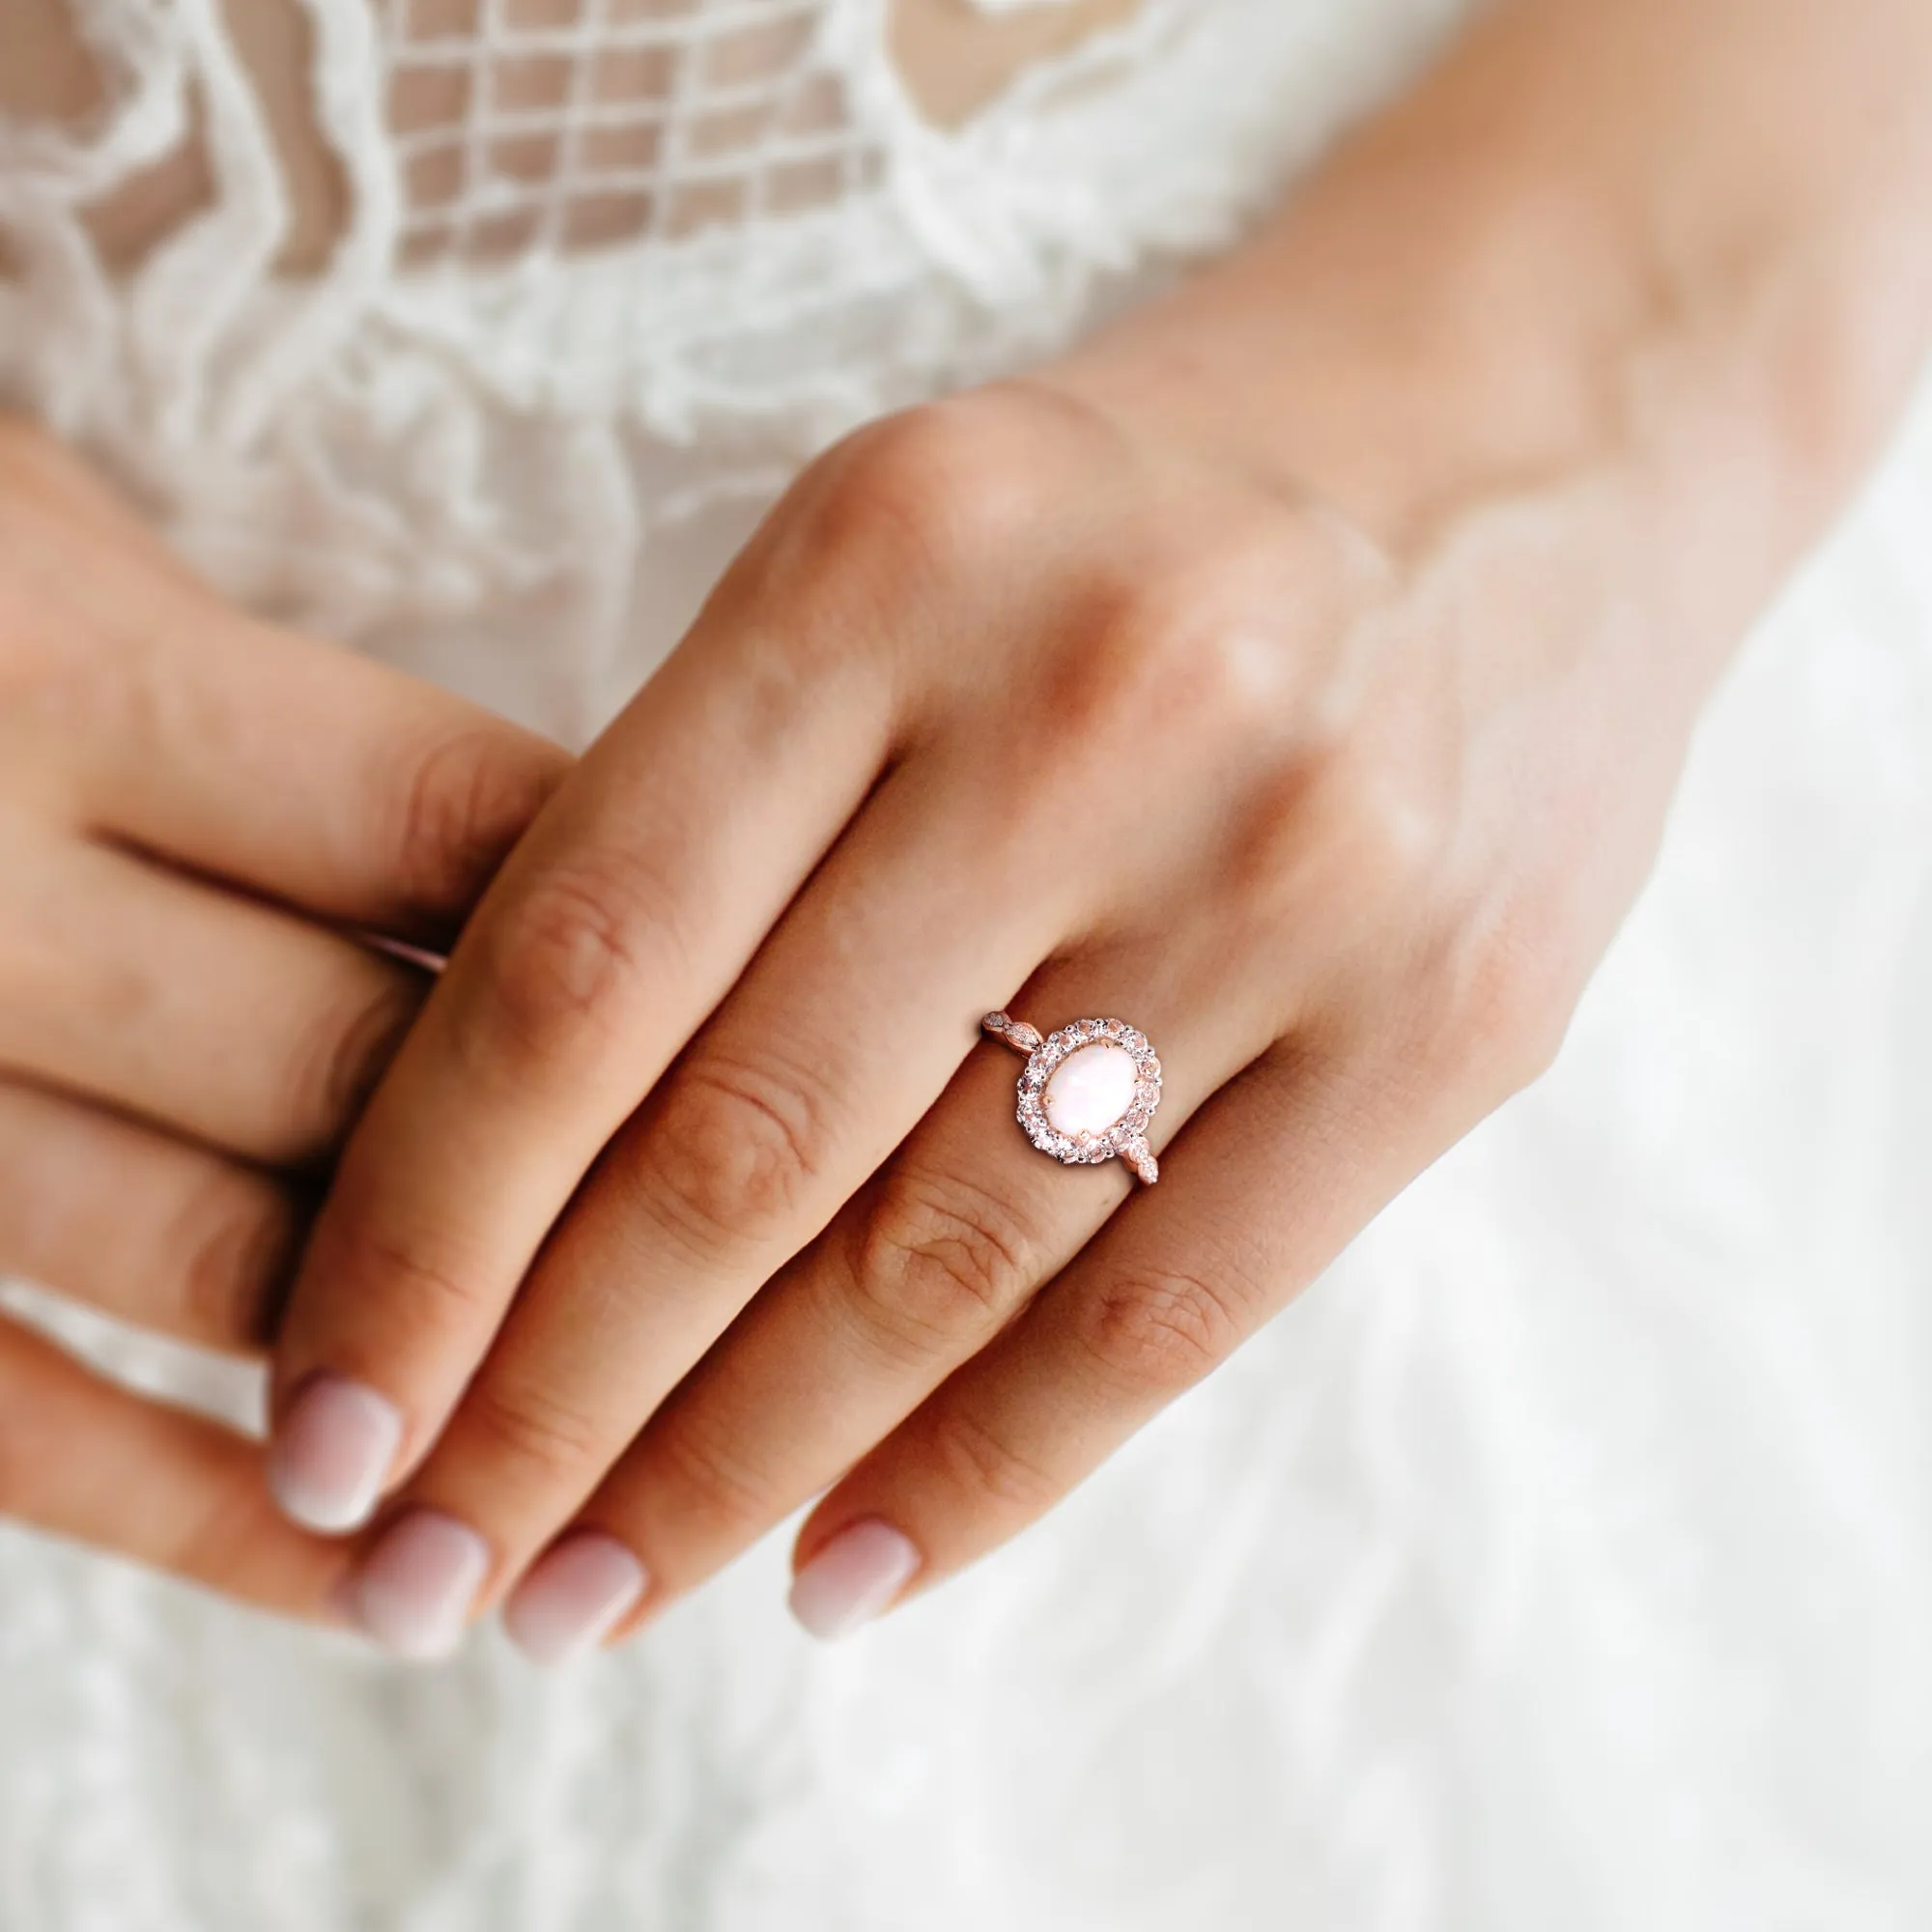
(1565, 1559)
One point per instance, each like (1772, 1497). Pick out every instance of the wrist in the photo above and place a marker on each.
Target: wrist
(1392, 356)
(1477, 304)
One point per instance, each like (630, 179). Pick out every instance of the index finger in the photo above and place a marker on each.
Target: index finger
(645, 888)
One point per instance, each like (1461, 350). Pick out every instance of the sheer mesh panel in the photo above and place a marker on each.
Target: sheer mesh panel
(544, 124)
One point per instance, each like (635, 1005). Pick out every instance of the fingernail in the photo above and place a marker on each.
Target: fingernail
(415, 1587)
(332, 1453)
(852, 1578)
(573, 1597)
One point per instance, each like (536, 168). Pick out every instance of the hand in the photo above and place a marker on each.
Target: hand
(1011, 704)
(1298, 672)
(194, 811)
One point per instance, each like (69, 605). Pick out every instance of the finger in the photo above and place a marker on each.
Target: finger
(615, 929)
(925, 1264)
(86, 1459)
(158, 1232)
(236, 748)
(222, 1018)
(1266, 1186)
(790, 1097)
(384, 803)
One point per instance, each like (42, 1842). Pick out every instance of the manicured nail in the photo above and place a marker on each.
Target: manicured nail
(573, 1597)
(852, 1578)
(332, 1453)
(417, 1585)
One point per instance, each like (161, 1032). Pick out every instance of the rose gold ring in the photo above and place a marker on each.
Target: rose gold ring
(1088, 1090)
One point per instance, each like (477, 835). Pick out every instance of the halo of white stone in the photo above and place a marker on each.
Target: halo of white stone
(1119, 1139)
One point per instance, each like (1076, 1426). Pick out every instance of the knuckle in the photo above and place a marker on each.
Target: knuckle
(696, 1475)
(1385, 823)
(1159, 1333)
(239, 1248)
(974, 1458)
(733, 1149)
(461, 808)
(415, 1305)
(938, 1264)
(565, 956)
(515, 1425)
(1341, 830)
(1501, 1005)
(932, 491)
(1186, 644)
(340, 1055)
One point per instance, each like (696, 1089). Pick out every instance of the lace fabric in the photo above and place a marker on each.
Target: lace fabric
(585, 241)
(1560, 1561)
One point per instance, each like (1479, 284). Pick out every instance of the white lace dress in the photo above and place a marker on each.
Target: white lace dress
(1564, 1560)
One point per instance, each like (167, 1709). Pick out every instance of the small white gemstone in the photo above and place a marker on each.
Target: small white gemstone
(1090, 1089)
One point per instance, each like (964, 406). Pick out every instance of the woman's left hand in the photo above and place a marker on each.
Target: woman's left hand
(1083, 696)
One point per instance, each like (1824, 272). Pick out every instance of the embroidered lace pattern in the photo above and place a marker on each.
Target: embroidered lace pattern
(596, 263)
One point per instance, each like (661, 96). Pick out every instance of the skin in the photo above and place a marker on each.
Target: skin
(189, 1017)
(1299, 670)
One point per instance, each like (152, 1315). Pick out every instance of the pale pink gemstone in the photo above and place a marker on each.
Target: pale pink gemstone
(1090, 1089)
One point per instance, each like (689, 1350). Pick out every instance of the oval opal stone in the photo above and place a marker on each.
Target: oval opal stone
(1089, 1090)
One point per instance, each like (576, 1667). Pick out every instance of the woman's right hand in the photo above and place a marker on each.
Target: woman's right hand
(200, 813)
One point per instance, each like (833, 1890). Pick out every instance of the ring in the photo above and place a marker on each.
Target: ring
(1088, 1090)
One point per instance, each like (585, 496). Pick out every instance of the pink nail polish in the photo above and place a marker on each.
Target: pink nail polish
(573, 1597)
(855, 1577)
(331, 1455)
(414, 1592)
